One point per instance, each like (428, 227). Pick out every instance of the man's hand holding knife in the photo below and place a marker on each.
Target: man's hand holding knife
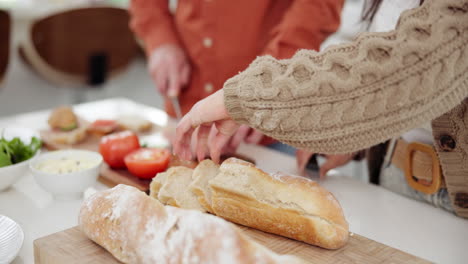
(170, 70)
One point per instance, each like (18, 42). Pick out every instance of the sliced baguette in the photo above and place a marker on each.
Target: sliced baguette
(202, 174)
(175, 189)
(157, 183)
(289, 206)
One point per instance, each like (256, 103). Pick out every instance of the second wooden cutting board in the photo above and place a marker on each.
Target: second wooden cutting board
(72, 246)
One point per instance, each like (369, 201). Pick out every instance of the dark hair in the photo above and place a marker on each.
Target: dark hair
(371, 7)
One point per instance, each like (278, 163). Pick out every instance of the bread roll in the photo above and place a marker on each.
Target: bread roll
(289, 206)
(202, 174)
(135, 228)
(134, 123)
(71, 137)
(175, 189)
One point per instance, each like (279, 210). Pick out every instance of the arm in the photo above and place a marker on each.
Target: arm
(304, 26)
(153, 23)
(356, 95)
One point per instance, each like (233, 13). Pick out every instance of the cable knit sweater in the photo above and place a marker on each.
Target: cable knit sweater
(355, 95)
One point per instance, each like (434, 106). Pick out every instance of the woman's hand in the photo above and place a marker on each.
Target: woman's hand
(245, 134)
(332, 162)
(198, 122)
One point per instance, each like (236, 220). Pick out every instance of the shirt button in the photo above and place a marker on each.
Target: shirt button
(447, 143)
(207, 42)
(209, 88)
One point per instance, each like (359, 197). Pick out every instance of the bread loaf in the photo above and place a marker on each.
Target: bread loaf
(135, 228)
(289, 206)
(175, 189)
(202, 174)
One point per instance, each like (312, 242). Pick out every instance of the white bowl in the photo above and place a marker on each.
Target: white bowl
(11, 239)
(67, 185)
(10, 174)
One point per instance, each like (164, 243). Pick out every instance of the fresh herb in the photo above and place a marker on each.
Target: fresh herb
(15, 151)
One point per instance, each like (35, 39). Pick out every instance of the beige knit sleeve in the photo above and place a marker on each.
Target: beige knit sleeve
(353, 96)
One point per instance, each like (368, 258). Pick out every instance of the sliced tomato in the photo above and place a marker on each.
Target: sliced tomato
(147, 162)
(103, 126)
(115, 147)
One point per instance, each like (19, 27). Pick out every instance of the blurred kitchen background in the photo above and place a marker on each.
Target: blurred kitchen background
(23, 90)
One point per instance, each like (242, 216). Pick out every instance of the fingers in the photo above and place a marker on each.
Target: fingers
(302, 158)
(201, 146)
(255, 137)
(159, 76)
(226, 129)
(182, 141)
(239, 136)
(334, 161)
(185, 74)
(207, 111)
(174, 81)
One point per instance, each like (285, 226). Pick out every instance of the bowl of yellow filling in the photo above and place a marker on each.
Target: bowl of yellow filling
(66, 173)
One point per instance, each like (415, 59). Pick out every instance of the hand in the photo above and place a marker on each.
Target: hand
(244, 134)
(170, 69)
(203, 115)
(332, 162)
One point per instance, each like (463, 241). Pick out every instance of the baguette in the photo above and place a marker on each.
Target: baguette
(289, 206)
(157, 183)
(175, 190)
(202, 174)
(135, 228)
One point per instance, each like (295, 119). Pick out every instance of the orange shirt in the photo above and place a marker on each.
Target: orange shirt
(222, 37)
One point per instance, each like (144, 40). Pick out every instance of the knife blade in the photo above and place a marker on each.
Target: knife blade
(176, 105)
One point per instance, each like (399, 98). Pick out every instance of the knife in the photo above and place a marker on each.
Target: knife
(176, 105)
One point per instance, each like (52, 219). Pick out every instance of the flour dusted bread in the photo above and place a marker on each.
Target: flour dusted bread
(202, 174)
(135, 228)
(175, 190)
(289, 206)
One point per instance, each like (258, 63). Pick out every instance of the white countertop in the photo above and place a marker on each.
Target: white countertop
(371, 211)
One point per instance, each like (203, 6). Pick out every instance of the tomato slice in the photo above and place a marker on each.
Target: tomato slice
(145, 163)
(103, 126)
(115, 147)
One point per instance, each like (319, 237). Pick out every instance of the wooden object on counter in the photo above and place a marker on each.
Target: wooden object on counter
(80, 46)
(72, 246)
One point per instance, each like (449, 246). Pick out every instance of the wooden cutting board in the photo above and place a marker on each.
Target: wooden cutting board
(72, 246)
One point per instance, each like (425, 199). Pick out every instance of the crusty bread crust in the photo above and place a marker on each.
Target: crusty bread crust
(138, 229)
(286, 205)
